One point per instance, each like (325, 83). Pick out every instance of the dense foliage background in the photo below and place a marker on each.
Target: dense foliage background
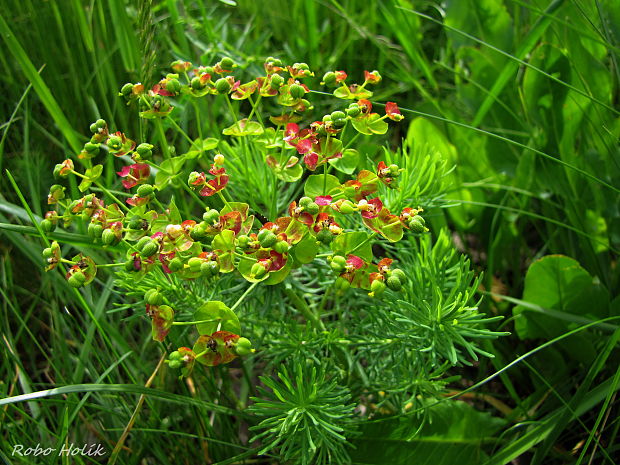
(521, 96)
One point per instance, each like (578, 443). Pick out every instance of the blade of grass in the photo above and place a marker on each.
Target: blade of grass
(510, 69)
(126, 389)
(584, 386)
(39, 85)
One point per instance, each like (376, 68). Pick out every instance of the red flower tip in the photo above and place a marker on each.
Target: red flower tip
(365, 105)
(323, 200)
(391, 109)
(136, 201)
(136, 174)
(384, 264)
(292, 129)
(214, 186)
(304, 146)
(311, 160)
(371, 208)
(373, 77)
(355, 262)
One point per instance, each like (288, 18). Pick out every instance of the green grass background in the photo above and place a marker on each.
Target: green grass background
(522, 96)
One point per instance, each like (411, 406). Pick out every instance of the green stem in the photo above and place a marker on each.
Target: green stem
(254, 107)
(183, 323)
(243, 296)
(275, 134)
(159, 204)
(110, 265)
(232, 111)
(79, 174)
(198, 123)
(112, 196)
(189, 189)
(180, 129)
(351, 141)
(162, 138)
(303, 307)
(224, 200)
(325, 179)
(364, 242)
(198, 355)
(237, 254)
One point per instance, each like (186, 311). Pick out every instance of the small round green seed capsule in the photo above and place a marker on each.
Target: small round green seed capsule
(417, 224)
(77, 279)
(226, 63)
(258, 271)
(304, 201)
(127, 89)
(297, 91)
(128, 266)
(176, 264)
(211, 216)
(145, 190)
(400, 274)
(194, 264)
(173, 86)
(312, 208)
(281, 247)
(153, 297)
(377, 287)
(108, 237)
(149, 249)
(394, 283)
(47, 225)
(243, 346)
(196, 83)
(325, 236)
(222, 86)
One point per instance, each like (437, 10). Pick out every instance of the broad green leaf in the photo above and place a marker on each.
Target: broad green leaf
(245, 268)
(559, 283)
(270, 139)
(92, 174)
(343, 92)
(347, 163)
(153, 114)
(329, 148)
(453, 433)
(168, 170)
(224, 319)
(370, 124)
(174, 215)
(286, 174)
(244, 128)
(386, 224)
(306, 249)
(200, 146)
(320, 184)
(349, 243)
(276, 277)
(224, 246)
(161, 322)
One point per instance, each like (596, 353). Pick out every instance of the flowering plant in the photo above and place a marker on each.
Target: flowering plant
(170, 216)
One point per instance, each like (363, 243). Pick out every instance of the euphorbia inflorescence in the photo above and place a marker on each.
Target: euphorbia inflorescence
(152, 237)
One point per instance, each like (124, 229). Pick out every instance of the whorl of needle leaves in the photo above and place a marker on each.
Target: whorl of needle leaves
(308, 416)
